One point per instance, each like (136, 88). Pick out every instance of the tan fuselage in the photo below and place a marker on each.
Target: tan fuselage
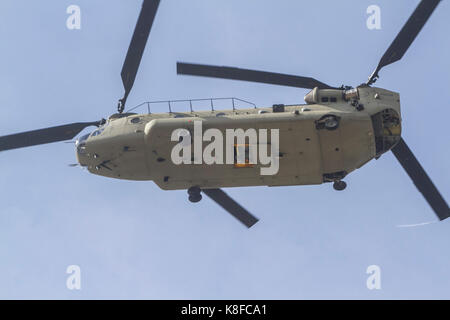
(139, 146)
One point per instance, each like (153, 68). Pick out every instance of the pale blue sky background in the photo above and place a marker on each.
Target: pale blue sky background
(133, 240)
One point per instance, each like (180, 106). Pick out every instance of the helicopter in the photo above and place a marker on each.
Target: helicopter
(337, 131)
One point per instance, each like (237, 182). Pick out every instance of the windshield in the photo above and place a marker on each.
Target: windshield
(83, 138)
(98, 131)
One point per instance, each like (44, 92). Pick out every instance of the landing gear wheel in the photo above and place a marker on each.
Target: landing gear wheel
(331, 123)
(195, 199)
(194, 194)
(339, 185)
(328, 122)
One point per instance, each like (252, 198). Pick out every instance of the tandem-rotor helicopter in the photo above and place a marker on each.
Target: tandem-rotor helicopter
(337, 131)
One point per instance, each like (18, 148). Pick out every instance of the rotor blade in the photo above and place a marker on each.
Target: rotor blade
(421, 179)
(249, 75)
(43, 136)
(406, 36)
(226, 202)
(137, 45)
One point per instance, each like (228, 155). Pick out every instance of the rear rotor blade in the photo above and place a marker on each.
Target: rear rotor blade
(406, 36)
(43, 136)
(249, 75)
(420, 178)
(137, 46)
(226, 202)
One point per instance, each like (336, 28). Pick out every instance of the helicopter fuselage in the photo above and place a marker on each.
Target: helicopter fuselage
(336, 132)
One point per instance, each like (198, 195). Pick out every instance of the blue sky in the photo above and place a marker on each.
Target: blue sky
(133, 240)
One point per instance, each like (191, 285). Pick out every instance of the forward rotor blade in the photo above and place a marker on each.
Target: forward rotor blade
(421, 179)
(249, 75)
(137, 46)
(226, 202)
(406, 36)
(43, 136)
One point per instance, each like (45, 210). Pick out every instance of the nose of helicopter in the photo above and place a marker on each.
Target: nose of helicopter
(80, 146)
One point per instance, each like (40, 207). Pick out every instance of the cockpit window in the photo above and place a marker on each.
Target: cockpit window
(97, 132)
(83, 138)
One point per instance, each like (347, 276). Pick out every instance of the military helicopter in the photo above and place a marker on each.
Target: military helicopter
(337, 131)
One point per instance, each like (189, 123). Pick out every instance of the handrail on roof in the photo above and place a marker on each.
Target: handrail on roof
(170, 102)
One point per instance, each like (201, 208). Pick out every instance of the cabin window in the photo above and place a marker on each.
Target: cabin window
(333, 99)
(324, 99)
